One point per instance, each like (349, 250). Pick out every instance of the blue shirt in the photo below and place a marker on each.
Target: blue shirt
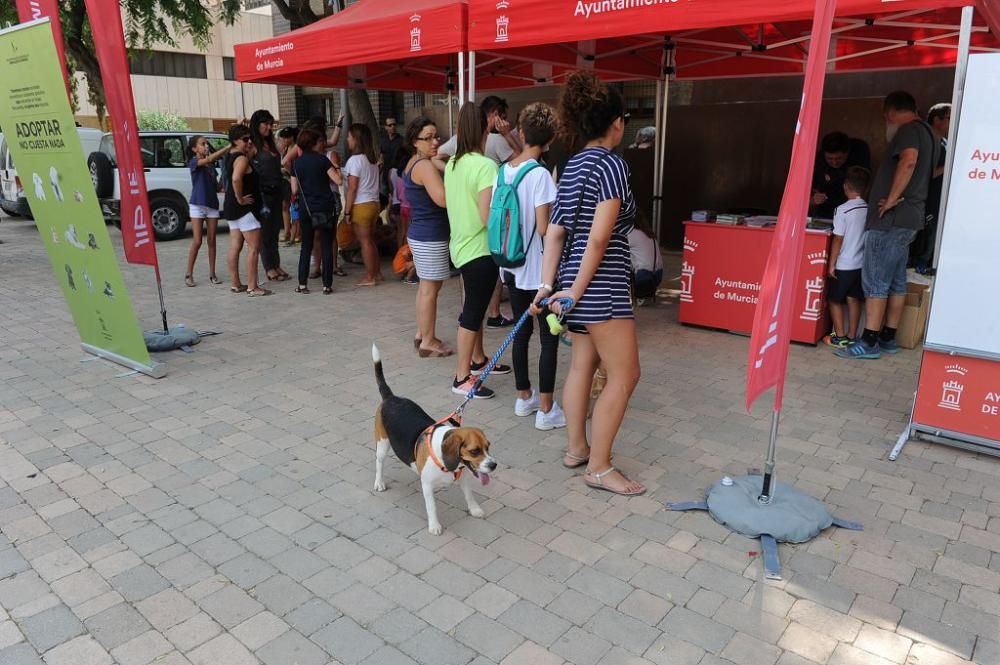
(428, 220)
(204, 186)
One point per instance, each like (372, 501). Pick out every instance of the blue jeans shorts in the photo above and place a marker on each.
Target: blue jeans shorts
(886, 254)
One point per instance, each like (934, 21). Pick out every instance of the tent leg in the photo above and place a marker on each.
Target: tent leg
(657, 157)
(661, 137)
(472, 76)
(461, 78)
(958, 93)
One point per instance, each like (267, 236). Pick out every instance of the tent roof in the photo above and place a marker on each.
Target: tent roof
(537, 42)
(381, 44)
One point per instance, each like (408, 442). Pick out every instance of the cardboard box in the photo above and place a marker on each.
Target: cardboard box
(911, 327)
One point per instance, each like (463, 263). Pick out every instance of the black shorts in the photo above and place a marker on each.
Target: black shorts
(479, 279)
(847, 284)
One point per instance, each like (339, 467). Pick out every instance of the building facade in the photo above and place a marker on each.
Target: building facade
(197, 84)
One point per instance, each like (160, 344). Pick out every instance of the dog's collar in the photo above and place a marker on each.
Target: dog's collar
(428, 438)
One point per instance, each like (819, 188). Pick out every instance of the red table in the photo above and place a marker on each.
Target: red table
(721, 273)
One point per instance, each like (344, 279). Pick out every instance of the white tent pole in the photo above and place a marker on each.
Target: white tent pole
(451, 119)
(472, 76)
(661, 141)
(961, 67)
(461, 77)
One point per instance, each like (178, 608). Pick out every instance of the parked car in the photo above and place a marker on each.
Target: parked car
(168, 179)
(12, 199)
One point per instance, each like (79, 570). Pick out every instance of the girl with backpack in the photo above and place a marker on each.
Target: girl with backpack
(204, 204)
(519, 218)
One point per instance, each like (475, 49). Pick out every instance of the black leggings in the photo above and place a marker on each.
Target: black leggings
(479, 278)
(519, 302)
(326, 250)
(271, 225)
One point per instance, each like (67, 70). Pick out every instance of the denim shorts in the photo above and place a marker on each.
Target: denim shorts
(886, 254)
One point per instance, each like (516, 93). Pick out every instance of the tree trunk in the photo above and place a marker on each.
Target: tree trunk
(361, 112)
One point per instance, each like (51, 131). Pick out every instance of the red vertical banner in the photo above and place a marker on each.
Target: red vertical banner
(32, 10)
(109, 43)
(768, 356)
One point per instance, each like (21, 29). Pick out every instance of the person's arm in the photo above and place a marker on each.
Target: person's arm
(445, 152)
(215, 156)
(904, 172)
(555, 239)
(352, 193)
(485, 199)
(333, 173)
(546, 192)
(835, 246)
(240, 166)
(424, 173)
(503, 128)
(290, 157)
(542, 219)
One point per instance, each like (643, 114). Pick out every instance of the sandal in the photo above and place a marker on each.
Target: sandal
(416, 343)
(599, 485)
(302, 289)
(339, 272)
(259, 293)
(214, 280)
(442, 352)
(188, 280)
(577, 460)
(240, 288)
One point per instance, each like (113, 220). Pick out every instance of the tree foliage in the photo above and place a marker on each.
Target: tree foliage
(161, 120)
(147, 23)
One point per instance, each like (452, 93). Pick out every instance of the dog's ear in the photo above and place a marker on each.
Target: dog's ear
(451, 447)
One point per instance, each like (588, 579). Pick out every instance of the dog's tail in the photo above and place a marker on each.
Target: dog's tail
(383, 388)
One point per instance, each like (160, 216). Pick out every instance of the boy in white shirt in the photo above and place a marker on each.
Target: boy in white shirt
(535, 195)
(847, 253)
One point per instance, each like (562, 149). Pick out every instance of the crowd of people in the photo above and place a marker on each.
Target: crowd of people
(874, 243)
(575, 225)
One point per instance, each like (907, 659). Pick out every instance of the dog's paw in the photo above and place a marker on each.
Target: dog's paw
(379, 486)
(477, 512)
(435, 529)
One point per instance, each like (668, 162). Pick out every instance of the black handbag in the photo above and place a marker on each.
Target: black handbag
(321, 220)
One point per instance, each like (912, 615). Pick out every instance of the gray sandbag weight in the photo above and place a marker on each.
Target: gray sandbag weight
(167, 340)
(791, 516)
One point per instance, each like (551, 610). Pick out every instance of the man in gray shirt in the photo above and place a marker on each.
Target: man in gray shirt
(896, 213)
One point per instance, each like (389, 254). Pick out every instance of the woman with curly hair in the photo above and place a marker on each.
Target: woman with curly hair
(587, 250)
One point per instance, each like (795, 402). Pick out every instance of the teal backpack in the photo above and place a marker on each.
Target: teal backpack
(504, 227)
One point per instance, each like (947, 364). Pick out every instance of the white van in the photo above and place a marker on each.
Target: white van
(12, 199)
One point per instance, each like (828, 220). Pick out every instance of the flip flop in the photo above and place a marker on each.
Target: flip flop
(577, 460)
(214, 280)
(259, 293)
(238, 289)
(599, 485)
(188, 280)
(416, 343)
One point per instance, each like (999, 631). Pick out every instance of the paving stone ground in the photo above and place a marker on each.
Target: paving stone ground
(224, 515)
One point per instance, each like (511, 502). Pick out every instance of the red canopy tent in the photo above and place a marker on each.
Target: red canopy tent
(536, 42)
(378, 44)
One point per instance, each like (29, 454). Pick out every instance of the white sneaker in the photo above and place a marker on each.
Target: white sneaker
(526, 407)
(554, 419)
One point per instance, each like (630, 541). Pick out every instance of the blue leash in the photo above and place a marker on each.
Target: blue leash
(567, 304)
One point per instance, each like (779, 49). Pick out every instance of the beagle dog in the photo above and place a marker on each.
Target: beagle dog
(439, 451)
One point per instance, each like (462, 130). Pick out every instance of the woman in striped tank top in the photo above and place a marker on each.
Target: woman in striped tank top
(587, 250)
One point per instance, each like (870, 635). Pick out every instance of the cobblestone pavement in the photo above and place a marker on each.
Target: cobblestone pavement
(224, 515)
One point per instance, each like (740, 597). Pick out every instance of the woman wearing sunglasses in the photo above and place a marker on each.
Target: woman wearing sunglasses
(241, 210)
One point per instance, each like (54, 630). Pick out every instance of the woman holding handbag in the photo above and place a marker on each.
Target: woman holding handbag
(320, 206)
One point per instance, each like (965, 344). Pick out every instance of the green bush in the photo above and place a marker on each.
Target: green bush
(161, 120)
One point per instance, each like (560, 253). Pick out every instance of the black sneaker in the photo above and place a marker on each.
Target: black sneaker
(463, 387)
(496, 322)
(477, 368)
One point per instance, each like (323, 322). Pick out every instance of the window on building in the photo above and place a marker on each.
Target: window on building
(161, 63)
(229, 68)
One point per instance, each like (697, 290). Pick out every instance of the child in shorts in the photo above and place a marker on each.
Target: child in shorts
(847, 253)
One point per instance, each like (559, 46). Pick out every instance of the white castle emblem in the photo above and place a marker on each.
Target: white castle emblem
(687, 282)
(503, 22)
(415, 33)
(951, 395)
(814, 300)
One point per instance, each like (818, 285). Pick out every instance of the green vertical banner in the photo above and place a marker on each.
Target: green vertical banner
(39, 127)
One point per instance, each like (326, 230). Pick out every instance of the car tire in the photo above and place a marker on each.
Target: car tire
(102, 174)
(168, 216)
